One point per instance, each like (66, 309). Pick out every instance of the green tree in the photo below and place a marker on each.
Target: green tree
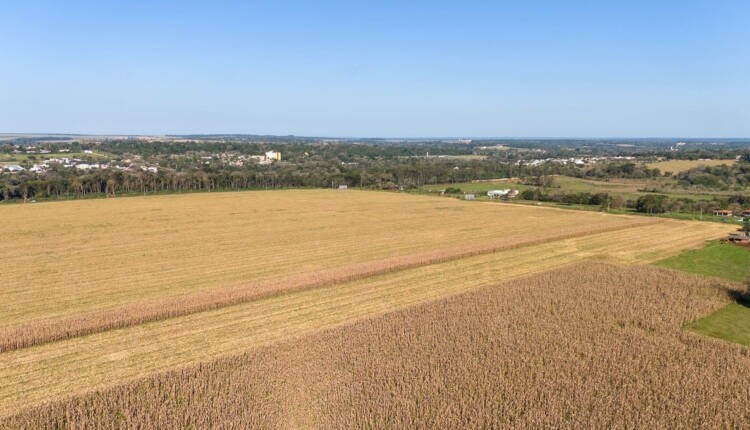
(651, 203)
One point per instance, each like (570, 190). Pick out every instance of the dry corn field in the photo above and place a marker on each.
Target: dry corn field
(590, 345)
(103, 294)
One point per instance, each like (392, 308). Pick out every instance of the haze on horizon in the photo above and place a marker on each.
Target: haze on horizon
(478, 69)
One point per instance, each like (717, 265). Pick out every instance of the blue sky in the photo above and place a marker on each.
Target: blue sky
(386, 68)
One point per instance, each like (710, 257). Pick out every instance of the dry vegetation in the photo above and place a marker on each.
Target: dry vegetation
(677, 166)
(51, 329)
(590, 345)
(76, 257)
(121, 264)
(102, 294)
(72, 366)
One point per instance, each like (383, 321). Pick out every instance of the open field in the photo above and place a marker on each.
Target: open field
(730, 323)
(588, 345)
(111, 291)
(152, 247)
(565, 183)
(717, 259)
(677, 166)
(115, 262)
(625, 188)
(36, 374)
(720, 260)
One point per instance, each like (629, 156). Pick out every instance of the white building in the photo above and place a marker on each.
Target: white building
(498, 193)
(506, 193)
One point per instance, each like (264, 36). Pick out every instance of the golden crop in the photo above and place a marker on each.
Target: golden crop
(86, 266)
(99, 294)
(590, 345)
(677, 166)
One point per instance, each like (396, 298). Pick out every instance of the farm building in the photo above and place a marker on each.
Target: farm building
(469, 196)
(723, 212)
(343, 187)
(746, 213)
(506, 193)
(498, 193)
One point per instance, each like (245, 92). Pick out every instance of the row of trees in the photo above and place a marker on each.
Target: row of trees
(59, 183)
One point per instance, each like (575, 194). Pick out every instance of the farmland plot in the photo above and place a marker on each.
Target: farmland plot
(76, 257)
(37, 374)
(588, 345)
(125, 288)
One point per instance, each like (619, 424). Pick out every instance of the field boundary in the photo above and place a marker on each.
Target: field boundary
(39, 332)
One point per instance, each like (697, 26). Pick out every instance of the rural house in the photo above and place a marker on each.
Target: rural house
(723, 212)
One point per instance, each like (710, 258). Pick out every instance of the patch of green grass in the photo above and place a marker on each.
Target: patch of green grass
(625, 188)
(717, 259)
(730, 323)
(721, 260)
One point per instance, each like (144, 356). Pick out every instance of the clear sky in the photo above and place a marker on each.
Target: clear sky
(380, 68)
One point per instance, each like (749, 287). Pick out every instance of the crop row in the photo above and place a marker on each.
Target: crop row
(49, 330)
(588, 345)
(58, 369)
(80, 257)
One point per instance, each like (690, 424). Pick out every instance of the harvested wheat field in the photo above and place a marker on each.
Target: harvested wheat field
(125, 289)
(590, 345)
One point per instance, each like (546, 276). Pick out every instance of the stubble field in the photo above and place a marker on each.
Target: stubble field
(103, 293)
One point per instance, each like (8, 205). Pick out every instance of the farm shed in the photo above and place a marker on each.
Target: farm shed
(507, 193)
(498, 193)
(469, 196)
(723, 212)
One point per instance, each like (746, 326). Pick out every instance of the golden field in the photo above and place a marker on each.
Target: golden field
(86, 266)
(102, 292)
(677, 166)
(82, 256)
(590, 345)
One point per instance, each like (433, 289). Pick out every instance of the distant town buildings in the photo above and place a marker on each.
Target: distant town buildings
(273, 155)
